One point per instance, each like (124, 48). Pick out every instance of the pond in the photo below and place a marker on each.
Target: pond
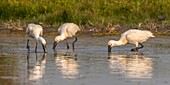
(89, 64)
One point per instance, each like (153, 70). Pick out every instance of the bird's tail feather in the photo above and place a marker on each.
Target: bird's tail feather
(149, 33)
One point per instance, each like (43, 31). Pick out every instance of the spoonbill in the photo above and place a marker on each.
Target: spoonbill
(66, 30)
(132, 36)
(35, 31)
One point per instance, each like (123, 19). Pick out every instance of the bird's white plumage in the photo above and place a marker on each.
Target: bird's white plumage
(133, 36)
(34, 30)
(68, 29)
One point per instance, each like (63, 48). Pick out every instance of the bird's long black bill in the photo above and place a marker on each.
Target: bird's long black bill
(109, 49)
(54, 45)
(44, 48)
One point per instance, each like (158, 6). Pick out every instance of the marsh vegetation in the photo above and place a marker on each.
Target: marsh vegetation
(88, 14)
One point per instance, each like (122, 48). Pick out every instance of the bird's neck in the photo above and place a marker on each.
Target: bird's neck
(118, 43)
(62, 37)
(37, 39)
(122, 41)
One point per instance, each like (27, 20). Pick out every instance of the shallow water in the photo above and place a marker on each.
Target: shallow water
(89, 64)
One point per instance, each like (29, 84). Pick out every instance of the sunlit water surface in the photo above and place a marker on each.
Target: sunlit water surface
(89, 64)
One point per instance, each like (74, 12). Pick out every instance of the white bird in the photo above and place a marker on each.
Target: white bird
(35, 31)
(132, 36)
(66, 30)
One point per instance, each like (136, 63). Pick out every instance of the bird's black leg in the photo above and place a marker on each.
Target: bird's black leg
(28, 47)
(74, 43)
(140, 45)
(36, 47)
(67, 45)
(136, 49)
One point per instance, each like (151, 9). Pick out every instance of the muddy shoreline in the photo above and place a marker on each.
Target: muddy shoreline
(53, 32)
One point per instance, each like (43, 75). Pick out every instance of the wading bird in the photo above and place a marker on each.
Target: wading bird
(35, 31)
(132, 36)
(66, 30)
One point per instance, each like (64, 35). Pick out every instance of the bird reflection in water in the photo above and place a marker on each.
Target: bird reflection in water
(36, 70)
(131, 66)
(67, 65)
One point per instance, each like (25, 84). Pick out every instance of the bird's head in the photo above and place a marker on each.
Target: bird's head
(111, 43)
(56, 41)
(43, 42)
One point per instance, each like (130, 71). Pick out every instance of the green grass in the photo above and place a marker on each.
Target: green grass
(81, 12)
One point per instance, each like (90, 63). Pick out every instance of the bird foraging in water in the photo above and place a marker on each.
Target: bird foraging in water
(66, 30)
(132, 36)
(35, 31)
